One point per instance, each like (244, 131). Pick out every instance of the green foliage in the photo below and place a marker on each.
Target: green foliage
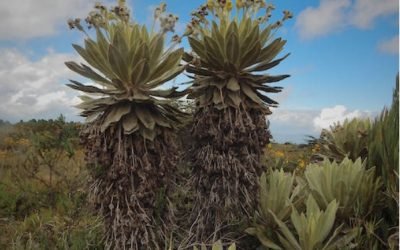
(128, 136)
(45, 151)
(351, 202)
(383, 147)
(313, 229)
(342, 202)
(36, 212)
(226, 55)
(7, 201)
(216, 246)
(132, 64)
(229, 61)
(349, 183)
(349, 139)
(383, 154)
(376, 142)
(49, 230)
(309, 230)
(277, 195)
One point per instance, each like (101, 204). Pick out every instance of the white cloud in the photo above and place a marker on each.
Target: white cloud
(24, 19)
(333, 15)
(35, 89)
(294, 125)
(338, 113)
(302, 118)
(327, 17)
(365, 12)
(390, 46)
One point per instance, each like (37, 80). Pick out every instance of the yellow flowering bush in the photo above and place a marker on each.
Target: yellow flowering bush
(3, 154)
(301, 164)
(9, 142)
(239, 4)
(23, 142)
(316, 148)
(279, 154)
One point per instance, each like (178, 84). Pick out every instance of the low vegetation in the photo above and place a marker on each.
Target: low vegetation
(149, 171)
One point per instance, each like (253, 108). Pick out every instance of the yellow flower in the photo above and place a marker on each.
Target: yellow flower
(316, 148)
(280, 154)
(239, 4)
(301, 164)
(270, 145)
(23, 142)
(3, 154)
(229, 5)
(189, 30)
(9, 141)
(210, 4)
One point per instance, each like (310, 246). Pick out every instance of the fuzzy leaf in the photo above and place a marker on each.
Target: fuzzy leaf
(217, 98)
(250, 93)
(250, 57)
(169, 75)
(156, 48)
(118, 64)
(86, 56)
(264, 35)
(268, 89)
(233, 48)
(102, 42)
(100, 59)
(266, 65)
(86, 71)
(199, 71)
(115, 114)
(88, 89)
(271, 51)
(260, 79)
(232, 247)
(137, 71)
(214, 52)
(286, 233)
(170, 62)
(197, 47)
(148, 134)
(266, 99)
(144, 74)
(130, 123)
(217, 246)
(233, 84)
(145, 117)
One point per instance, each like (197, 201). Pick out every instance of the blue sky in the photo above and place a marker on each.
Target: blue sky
(343, 62)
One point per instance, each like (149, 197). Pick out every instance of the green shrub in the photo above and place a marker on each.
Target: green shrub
(7, 202)
(349, 183)
(383, 154)
(349, 139)
(313, 229)
(49, 230)
(339, 211)
(217, 246)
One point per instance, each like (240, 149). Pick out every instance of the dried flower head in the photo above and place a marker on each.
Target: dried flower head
(71, 23)
(239, 4)
(287, 15)
(176, 39)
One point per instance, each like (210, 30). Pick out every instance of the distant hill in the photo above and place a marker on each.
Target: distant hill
(4, 123)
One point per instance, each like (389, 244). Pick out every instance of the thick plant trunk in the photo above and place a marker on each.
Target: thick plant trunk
(130, 180)
(226, 165)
